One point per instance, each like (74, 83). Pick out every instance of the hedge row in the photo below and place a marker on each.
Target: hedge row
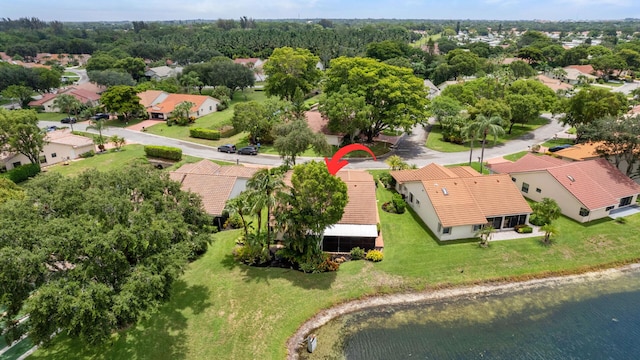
(201, 133)
(227, 131)
(163, 152)
(22, 172)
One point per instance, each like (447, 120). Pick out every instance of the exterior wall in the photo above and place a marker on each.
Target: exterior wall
(333, 139)
(48, 106)
(207, 107)
(569, 205)
(61, 152)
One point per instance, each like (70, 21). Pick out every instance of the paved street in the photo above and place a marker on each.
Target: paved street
(410, 148)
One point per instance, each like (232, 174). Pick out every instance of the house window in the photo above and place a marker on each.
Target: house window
(477, 227)
(43, 159)
(54, 155)
(3, 168)
(198, 113)
(16, 164)
(210, 108)
(513, 179)
(625, 201)
(411, 197)
(417, 202)
(584, 212)
(538, 190)
(446, 230)
(525, 187)
(609, 208)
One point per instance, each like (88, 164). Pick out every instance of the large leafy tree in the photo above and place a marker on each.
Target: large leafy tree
(258, 118)
(19, 132)
(293, 137)
(395, 97)
(619, 142)
(20, 92)
(123, 100)
(289, 69)
(592, 103)
(95, 253)
(347, 112)
(132, 66)
(316, 200)
(9, 191)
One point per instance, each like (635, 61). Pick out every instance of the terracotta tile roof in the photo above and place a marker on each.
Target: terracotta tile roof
(528, 162)
(433, 171)
(147, 97)
(245, 61)
(45, 97)
(585, 69)
(580, 152)
(362, 208)
(354, 175)
(89, 86)
(238, 171)
(214, 190)
(83, 95)
(202, 167)
(172, 100)
(471, 200)
(595, 183)
(554, 84)
(318, 123)
(65, 137)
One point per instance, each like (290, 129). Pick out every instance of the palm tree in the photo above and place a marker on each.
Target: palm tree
(183, 109)
(117, 141)
(241, 206)
(98, 125)
(488, 126)
(484, 234)
(67, 104)
(549, 230)
(265, 185)
(471, 132)
(395, 162)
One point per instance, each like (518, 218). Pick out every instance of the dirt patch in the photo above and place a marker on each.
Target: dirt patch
(297, 341)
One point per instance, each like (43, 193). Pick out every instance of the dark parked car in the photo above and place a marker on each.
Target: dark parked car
(68, 120)
(52, 128)
(248, 150)
(559, 147)
(100, 116)
(228, 148)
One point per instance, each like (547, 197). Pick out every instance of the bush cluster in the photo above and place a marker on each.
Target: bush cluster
(22, 172)
(202, 133)
(357, 253)
(163, 152)
(374, 255)
(88, 154)
(387, 180)
(227, 131)
(524, 229)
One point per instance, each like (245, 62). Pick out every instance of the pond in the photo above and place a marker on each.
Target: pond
(594, 319)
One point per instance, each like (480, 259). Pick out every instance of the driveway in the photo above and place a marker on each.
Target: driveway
(627, 88)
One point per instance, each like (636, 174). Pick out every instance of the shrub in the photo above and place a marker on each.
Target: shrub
(357, 253)
(88, 154)
(525, 230)
(227, 131)
(328, 265)
(202, 133)
(251, 255)
(22, 172)
(387, 180)
(163, 152)
(233, 222)
(621, 220)
(388, 207)
(374, 255)
(399, 204)
(535, 220)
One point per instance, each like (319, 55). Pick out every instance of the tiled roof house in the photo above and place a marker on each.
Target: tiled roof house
(160, 104)
(584, 190)
(456, 202)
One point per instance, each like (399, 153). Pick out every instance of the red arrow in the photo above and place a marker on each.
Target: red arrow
(335, 164)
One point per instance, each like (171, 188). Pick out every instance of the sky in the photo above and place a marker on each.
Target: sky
(149, 10)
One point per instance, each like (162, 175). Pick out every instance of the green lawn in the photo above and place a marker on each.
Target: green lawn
(435, 142)
(223, 310)
(556, 142)
(516, 156)
(47, 116)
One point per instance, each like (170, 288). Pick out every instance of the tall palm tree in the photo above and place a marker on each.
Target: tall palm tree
(549, 230)
(67, 104)
(396, 163)
(470, 132)
(265, 185)
(485, 233)
(241, 206)
(488, 126)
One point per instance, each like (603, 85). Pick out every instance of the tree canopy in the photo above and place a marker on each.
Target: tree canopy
(94, 253)
(19, 132)
(593, 103)
(123, 100)
(394, 97)
(289, 69)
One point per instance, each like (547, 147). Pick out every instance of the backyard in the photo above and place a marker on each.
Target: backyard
(224, 310)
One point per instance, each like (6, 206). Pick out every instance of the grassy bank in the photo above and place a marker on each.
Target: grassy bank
(223, 310)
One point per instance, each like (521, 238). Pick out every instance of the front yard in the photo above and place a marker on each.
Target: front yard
(223, 310)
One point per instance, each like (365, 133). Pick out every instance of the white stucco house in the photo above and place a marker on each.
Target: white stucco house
(456, 202)
(160, 104)
(585, 190)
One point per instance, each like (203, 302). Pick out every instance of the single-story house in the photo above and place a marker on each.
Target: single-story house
(320, 124)
(585, 190)
(358, 226)
(160, 104)
(83, 95)
(457, 202)
(61, 145)
(255, 64)
(214, 183)
(162, 72)
(576, 74)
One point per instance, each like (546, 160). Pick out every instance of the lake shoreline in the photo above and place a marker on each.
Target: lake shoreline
(295, 342)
